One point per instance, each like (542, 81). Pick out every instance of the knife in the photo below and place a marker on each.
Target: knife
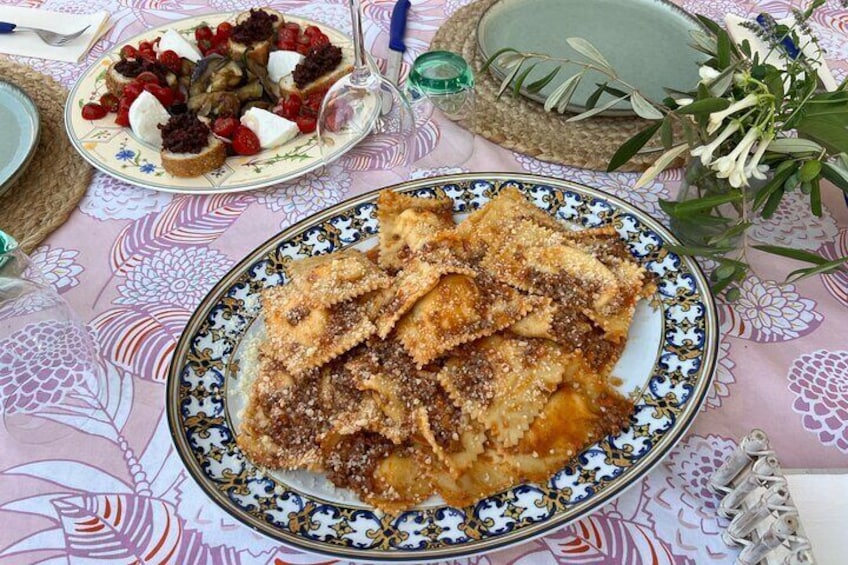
(397, 30)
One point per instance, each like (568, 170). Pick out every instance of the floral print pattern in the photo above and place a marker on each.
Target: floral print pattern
(308, 194)
(679, 492)
(782, 227)
(110, 199)
(180, 277)
(671, 509)
(768, 311)
(619, 184)
(819, 381)
(723, 377)
(41, 363)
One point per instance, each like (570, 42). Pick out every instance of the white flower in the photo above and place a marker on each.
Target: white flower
(754, 169)
(705, 152)
(707, 74)
(732, 165)
(716, 118)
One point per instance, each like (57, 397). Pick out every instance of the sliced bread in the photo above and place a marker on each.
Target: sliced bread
(325, 81)
(195, 164)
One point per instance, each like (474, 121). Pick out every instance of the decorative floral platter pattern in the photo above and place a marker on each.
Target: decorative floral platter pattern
(205, 367)
(116, 151)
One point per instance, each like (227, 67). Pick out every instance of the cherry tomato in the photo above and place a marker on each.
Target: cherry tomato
(124, 104)
(313, 103)
(92, 111)
(286, 34)
(132, 90)
(311, 30)
(204, 45)
(110, 102)
(171, 60)
(147, 77)
(145, 45)
(147, 54)
(245, 141)
(291, 106)
(123, 118)
(318, 40)
(203, 33)
(337, 120)
(223, 32)
(220, 49)
(306, 124)
(129, 52)
(162, 93)
(287, 45)
(225, 126)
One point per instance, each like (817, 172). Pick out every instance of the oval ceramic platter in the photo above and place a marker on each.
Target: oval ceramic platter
(666, 367)
(116, 151)
(21, 126)
(647, 42)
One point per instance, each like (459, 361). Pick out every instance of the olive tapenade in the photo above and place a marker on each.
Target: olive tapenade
(131, 68)
(318, 62)
(184, 133)
(259, 26)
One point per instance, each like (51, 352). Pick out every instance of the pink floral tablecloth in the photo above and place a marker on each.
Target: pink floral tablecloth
(783, 361)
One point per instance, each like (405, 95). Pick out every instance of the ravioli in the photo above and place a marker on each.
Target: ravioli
(504, 381)
(455, 359)
(337, 277)
(529, 257)
(407, 222)
(460, 309)
(303, 335)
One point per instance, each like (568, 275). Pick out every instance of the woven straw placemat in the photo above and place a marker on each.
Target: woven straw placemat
(523, 125)
(57, 177)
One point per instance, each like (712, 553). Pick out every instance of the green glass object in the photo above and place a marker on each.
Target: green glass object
(446, 80)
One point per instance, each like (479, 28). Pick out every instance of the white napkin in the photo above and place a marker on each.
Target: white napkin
(823, 510)
(739, 32)
(28, 44)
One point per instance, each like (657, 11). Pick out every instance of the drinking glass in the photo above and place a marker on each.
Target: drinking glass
(441, 86)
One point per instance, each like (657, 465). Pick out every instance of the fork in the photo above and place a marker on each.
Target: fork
(48, 37)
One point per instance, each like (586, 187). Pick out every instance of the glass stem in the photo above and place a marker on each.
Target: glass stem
(361, 72)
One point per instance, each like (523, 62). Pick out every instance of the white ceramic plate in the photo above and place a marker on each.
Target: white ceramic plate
(117, 152)
(668, 363)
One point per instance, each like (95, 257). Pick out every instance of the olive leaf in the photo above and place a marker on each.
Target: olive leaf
(563, 92)
(589, 51)
(538, 85)
(597, 110)
(643, 108)
(660, 164)
(631, 146)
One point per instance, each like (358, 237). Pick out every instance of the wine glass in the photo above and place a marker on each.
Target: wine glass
(366, 103)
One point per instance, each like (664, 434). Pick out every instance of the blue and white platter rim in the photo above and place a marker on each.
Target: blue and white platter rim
(205, 357)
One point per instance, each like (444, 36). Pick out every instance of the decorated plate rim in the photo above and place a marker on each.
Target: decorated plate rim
(618, 486)
(105, 168)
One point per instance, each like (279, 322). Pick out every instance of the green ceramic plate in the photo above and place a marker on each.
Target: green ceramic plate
(20, 126)
(646, 41)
